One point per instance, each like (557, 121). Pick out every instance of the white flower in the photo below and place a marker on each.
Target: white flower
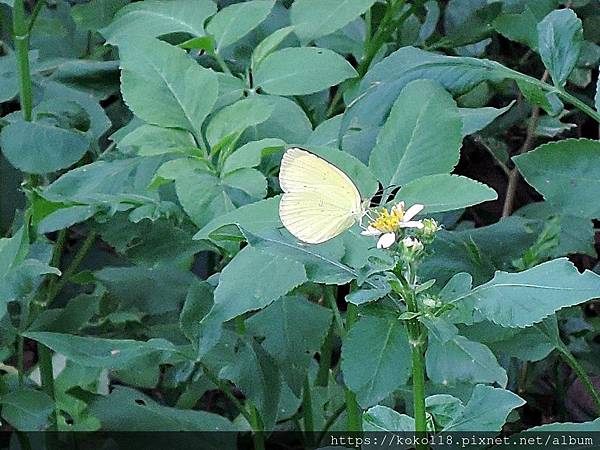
(396, 219)
(415, 244)
(386, 240)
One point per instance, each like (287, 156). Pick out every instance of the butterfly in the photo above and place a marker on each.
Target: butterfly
(319, 200)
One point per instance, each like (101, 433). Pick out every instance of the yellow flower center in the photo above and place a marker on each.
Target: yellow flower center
(388, 222)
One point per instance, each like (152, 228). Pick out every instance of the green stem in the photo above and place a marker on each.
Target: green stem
(36, 10)
(325, 359)
(221, 62)
(329, 296)
(21, 359)
(258, 435)
(334, 103)
(21, 38)
(568, 357)
(307, 413)
(70, 271)
(331, 421)
(353, 411)
(418, 377)
(47, 378)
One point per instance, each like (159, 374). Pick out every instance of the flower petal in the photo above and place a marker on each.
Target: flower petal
(412, 211)
(370, 231)
(411, 224)
(386, 240)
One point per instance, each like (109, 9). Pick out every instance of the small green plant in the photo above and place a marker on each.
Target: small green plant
(147, 281)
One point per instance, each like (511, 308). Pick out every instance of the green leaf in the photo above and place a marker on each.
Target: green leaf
(258, 377)
(106, 353)
(290, 342)
(323, 262)
(382, 418)
(315, 18)
(254, 218)
(65, 217)
(251, 153)
(560, 39)
(95, 15)
(159, 17)
(476, 119)
(549, 102)
(374, 374)
(150, 140)
(165, 87)
(444, 408)
(422, 135)
(524, 298)
(461, 360)
(444, 192)
(268, 45)
(486, 410)
(26, 409)
(567, 174)
(301, 71)
(126, 409)
(253, 280)
(235, 21)
(42, 147)
(521, 26)
(236, 118)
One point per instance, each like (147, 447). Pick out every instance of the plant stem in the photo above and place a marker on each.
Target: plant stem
(307, 413)
(329, 296)
(325, 359)
(47, 377)
(568, 357)
(21, 38)
(353, 411)
(21, 359)
(70, 271)
(418, 376)
(258, 436)
(513, 177)
(221, 62)
(331, 421)
(36, 10)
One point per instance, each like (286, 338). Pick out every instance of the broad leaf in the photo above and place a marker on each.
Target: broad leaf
(445, 192)
(106, 353)
(235, 21)
(290, 342)
(560, 38)
(41, 146)
(486, 410)
(385, 367)
(26, 409)
(301, 71)
(158, 17)
(524, 298)
(163, 86)
(315, 18)
(422, 135)
(567, 174)
(462, 360)
(382, 418)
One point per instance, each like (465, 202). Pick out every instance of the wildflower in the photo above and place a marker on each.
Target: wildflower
(388, 223)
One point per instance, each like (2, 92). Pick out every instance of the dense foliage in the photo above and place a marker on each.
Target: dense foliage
(146, 281)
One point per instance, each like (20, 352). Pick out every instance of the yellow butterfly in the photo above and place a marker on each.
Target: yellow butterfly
(319, 201)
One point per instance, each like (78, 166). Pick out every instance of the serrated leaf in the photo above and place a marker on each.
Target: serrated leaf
(445, 192)
(106, 353)
(461, 360)
(476, 119)
(386, 366)
(26, 409)
(486, 410)
(301, 71)
(313, 19)
(42, 147)
(567, 174)
(560, 38)
(422, 135)
(152, 140)
(290, 342)
(165, 87)
(524, 298)
(235, 21)
(159, 17)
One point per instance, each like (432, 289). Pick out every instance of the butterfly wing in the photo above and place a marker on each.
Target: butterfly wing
(319, 200)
